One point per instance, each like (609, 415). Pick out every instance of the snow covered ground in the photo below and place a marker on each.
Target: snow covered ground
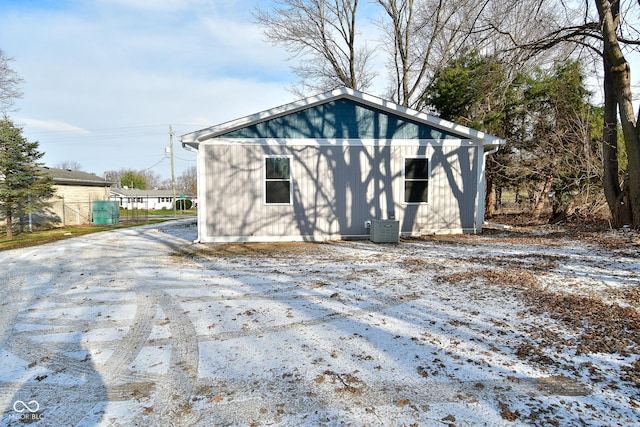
(143, 327)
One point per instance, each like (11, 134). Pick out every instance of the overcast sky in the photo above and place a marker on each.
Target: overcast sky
(104, 79)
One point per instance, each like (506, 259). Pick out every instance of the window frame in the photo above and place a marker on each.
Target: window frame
(427, 179)
(266, 180)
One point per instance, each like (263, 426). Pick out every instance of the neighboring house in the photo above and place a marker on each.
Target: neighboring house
(323, 167)
(74, 193)
(133, 198)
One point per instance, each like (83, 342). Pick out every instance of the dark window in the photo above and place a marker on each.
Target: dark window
(277, 180)
(416, 180)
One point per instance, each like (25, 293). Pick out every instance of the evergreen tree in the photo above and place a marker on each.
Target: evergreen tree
(21, 183)
(546, 118)
(556, 153)
(477, 91)
(133, 179)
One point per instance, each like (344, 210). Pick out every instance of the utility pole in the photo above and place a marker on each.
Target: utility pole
(173, 177)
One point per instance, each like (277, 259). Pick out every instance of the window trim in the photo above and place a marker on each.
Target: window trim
(265, 180)
(427, 180)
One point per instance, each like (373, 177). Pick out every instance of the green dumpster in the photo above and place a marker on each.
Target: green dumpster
(105, 212)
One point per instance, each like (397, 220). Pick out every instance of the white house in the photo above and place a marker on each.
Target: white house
(324, 167)
(133, 198)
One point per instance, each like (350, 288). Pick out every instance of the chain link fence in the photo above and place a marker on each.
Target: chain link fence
(61, 213)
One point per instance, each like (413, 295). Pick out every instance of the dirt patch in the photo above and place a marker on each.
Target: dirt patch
(270, 249)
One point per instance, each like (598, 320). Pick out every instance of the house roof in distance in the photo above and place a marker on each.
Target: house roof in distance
(357, 97)
(136, 192)
(71, 177)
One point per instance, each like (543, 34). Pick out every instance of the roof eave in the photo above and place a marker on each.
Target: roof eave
(71, 181)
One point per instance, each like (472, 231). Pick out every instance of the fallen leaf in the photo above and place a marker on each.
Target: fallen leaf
(506, 413)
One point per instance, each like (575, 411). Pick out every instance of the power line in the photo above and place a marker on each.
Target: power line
(184, 160)
(155, 164)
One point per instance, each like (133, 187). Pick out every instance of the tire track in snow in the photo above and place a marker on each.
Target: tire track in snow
(48, 353)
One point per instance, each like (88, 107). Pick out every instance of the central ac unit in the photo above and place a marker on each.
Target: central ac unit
(385, 231)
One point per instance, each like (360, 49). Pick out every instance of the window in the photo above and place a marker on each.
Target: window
(277, 188)
(416, 180)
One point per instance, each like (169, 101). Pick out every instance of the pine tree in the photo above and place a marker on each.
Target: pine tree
(21, 182)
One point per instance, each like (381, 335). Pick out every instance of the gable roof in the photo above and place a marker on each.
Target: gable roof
(71, 177)
(340, 114)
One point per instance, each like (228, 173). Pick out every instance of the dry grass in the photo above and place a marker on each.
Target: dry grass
(257, 249)
(35, 238)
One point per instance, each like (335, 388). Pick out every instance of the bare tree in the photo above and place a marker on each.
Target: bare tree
(606, 30)
(9, 84)
(421, 37)
(151, 178)
(188, 180)
(69, 165)
(322, 33)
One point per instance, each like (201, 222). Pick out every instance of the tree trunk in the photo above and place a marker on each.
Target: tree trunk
(488, 197)
(9, 222)
(620, 72)
(537, 211)
(620, 211)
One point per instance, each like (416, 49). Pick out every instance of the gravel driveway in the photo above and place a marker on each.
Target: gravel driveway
(141, 326)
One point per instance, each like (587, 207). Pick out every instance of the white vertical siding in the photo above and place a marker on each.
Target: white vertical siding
(336, 188)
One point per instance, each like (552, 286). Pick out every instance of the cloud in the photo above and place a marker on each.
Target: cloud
(52, 126)
(104, 79)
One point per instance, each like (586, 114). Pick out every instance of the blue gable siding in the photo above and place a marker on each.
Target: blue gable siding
(340, 119)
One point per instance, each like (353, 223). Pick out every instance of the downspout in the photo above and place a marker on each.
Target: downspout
(494, 150)
(200, 199)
